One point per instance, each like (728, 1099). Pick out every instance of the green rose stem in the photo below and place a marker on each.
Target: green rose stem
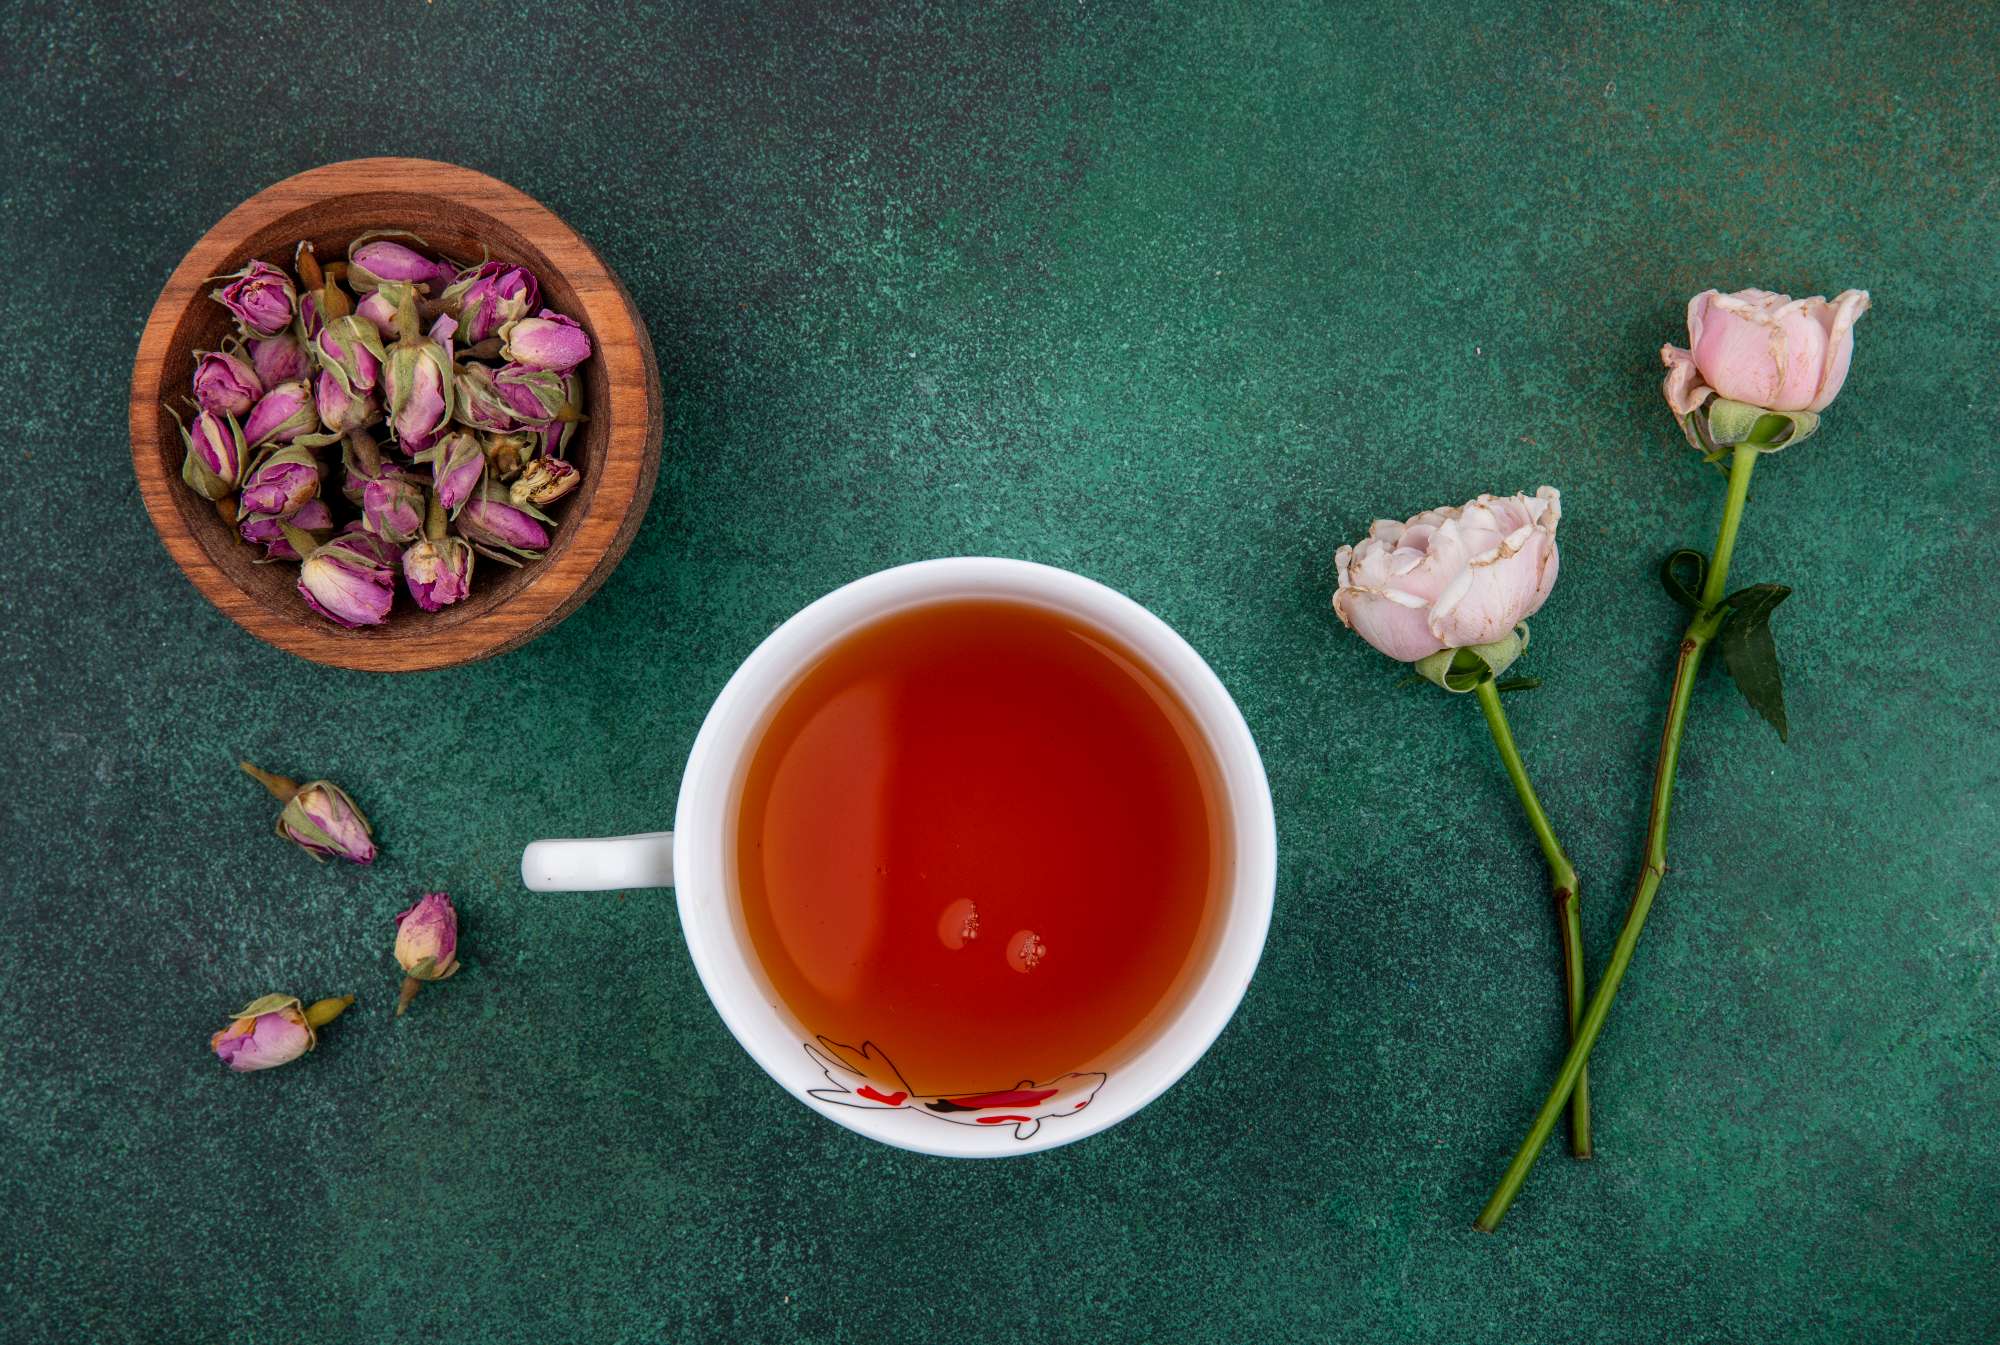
(1569, 899)
(1707, 621)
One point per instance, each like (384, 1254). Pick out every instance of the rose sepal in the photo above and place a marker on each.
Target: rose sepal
(1463, 669)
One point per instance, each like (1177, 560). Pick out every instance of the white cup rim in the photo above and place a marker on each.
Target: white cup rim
(713, 930)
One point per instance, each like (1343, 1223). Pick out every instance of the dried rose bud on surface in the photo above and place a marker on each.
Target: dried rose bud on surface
(260, 296)
(319, 817)
(426, 944)
(555, 432)
(274, 1030)
(312, 315)
(225, 382)
(533, 395)
(546, 341)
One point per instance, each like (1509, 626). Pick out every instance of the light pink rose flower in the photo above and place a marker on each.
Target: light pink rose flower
(1763, 349)
(1450, 577)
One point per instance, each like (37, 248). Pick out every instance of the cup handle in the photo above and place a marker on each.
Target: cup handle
(599, 864)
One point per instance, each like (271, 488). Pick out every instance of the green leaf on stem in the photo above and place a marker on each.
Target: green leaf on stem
(1686, 592)
(1751, 654)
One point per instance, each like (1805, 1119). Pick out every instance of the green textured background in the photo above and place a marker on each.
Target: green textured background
(1179, 298)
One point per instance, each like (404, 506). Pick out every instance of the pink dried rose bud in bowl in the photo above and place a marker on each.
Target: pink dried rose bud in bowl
(341, 324)
(355, 386)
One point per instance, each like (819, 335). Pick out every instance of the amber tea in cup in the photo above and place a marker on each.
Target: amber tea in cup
(985, 838)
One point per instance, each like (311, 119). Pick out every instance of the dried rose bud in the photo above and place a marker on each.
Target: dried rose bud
(418, 379)
(274, 1030)
(312, 316)
(426, 944)
(351, 350)
(438, 573)
(281, 483)
(319, 816)
(555, 434)
(340, 410)
(260, 296)
(225, 382)
(215, 453)
(268, 530)
(379, 306)
(279, 359)
(457, 463)
(546, 341)
(544, 481)
(393, 509)
(361, 461)
(476, 402)
(281, 415)
(348, 581)
(545, 402)
(489, 296)
(375, 259)
(354, 484)
(370, 544)
(533, 395)
(507, 454)
(492, 523)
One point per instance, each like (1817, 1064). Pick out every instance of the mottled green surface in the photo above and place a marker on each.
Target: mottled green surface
(1179, 299)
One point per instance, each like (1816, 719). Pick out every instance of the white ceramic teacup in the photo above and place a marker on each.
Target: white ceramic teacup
(841, 1080)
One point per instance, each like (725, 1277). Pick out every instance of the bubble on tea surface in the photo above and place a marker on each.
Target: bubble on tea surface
(1025, 950)
(958, 924)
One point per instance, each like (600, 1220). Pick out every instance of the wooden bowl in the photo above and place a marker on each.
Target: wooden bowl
(457, 212)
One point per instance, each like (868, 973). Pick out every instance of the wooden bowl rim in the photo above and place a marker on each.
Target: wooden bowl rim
(626, 469)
